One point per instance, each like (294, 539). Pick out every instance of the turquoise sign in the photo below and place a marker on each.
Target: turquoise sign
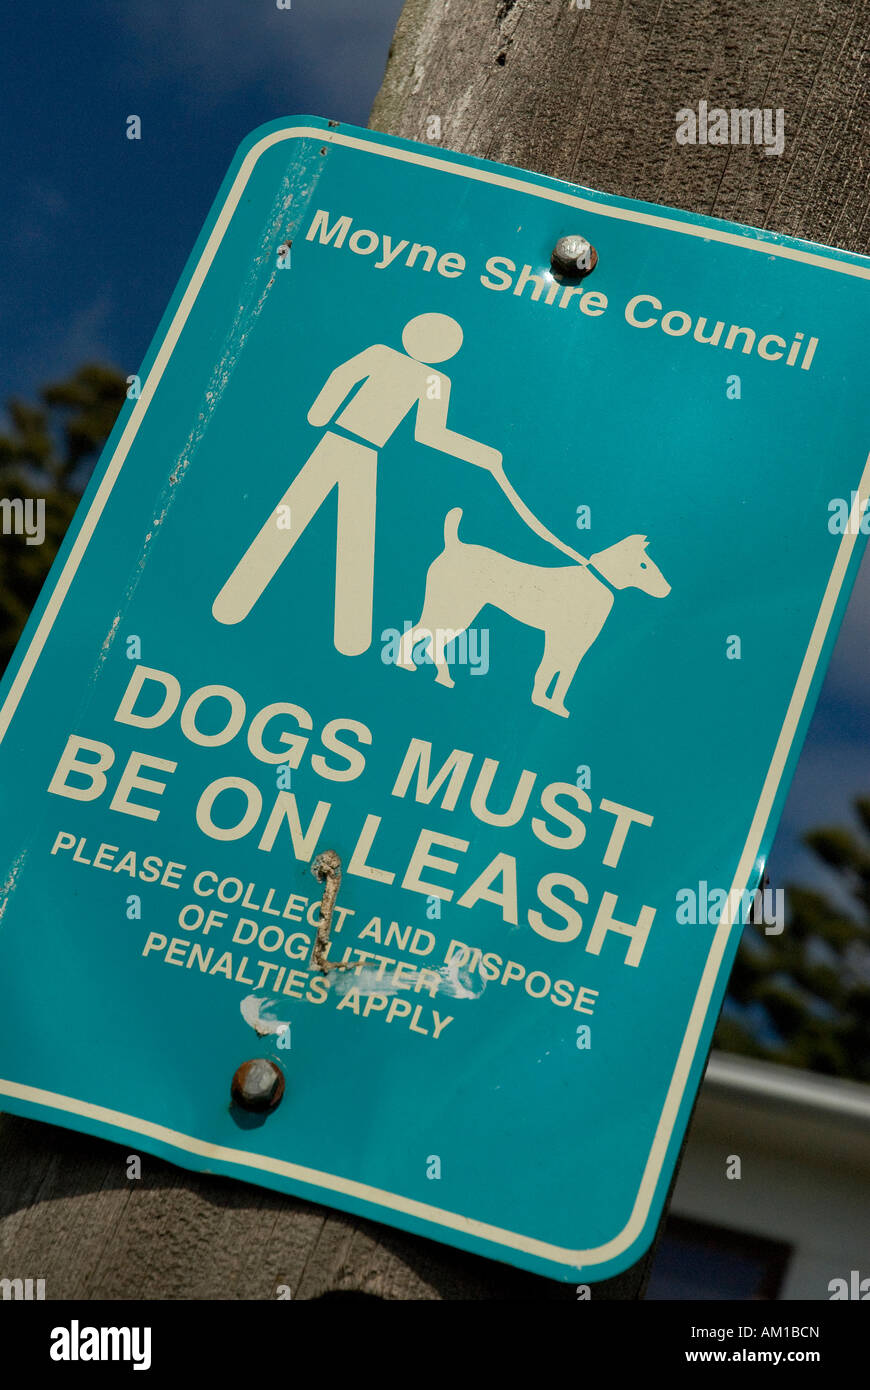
(391, 760)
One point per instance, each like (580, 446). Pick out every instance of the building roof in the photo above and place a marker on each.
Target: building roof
(746, 1079)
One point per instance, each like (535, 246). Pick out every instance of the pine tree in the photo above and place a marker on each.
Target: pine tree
(803, 997)
(48, 453)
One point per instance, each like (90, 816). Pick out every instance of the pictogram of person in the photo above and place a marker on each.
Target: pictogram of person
(346, 457)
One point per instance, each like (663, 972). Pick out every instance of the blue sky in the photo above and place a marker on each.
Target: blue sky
(97, 227)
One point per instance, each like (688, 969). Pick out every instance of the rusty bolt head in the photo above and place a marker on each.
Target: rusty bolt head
(573, 257)
(258, 1085)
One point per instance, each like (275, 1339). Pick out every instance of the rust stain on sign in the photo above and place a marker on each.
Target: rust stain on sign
(326, 866)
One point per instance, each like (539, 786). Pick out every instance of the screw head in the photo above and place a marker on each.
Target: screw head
(258, 1085)
(573, 257)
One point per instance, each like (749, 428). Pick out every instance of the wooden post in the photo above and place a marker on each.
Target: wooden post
(590, 95)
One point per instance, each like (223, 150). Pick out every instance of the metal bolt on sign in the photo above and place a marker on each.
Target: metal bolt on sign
(258, 1085)
(573, 257)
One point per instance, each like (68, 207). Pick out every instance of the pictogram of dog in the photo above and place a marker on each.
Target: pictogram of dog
(569, 603)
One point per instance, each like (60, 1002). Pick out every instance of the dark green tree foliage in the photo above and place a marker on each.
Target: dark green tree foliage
(49, 452)
(803, 997)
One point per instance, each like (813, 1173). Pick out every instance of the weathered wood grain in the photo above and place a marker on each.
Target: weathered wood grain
(592, 95)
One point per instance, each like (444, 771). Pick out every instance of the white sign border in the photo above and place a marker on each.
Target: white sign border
(555, 1254)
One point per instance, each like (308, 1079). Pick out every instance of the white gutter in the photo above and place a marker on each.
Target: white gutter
(745, 1079)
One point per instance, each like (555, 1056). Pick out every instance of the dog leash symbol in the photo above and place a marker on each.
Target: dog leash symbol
(529, 517)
